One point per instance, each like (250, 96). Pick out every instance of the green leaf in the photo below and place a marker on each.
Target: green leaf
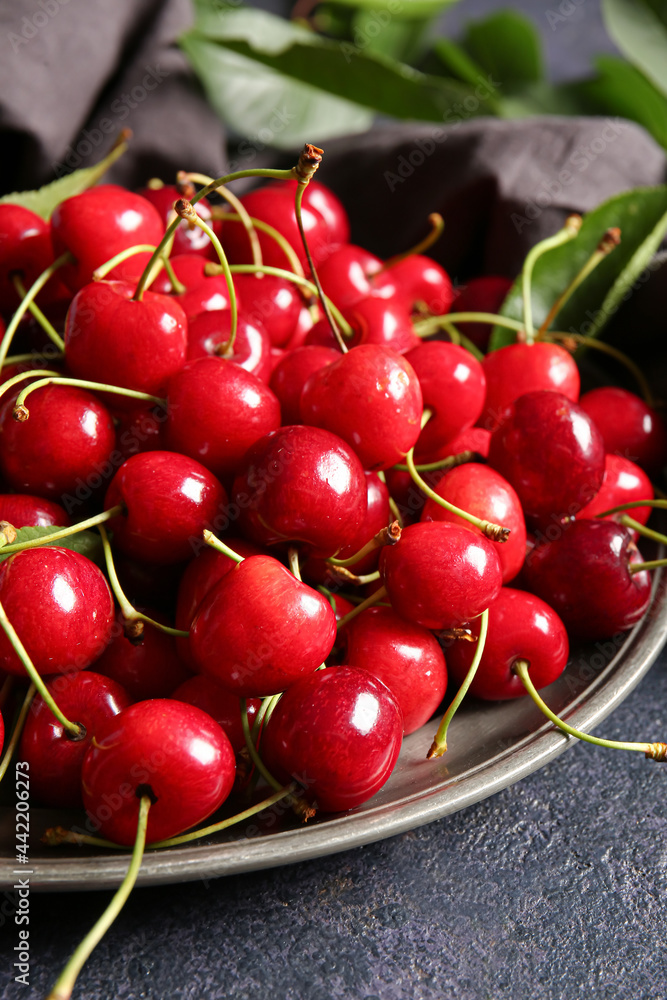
(399, 10)
(87, 543)
(507, 46)
(641, 215)
(43, 201)
(620, 89)
(540, 99)
(342, 69)
(402, 40)
(639, 29)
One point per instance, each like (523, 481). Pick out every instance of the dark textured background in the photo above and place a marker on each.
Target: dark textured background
(553, 888)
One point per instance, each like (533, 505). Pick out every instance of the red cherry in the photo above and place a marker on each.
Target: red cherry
(629, 426)
(624, 482)
(474, 439)
(372, 399)
(301, 484)
(27, 511)
(521, 627)
(61, 607)
(482, 491)
(291, 374)
(209, 333)
(261, 628)
(139, 429)
(54, 757)
(406, 657)
(69, 438)
(273, 302)
(346, 275)
(146, 668)
(338, 732)
(485, 294)
(112, 339)
(217, 410)
(202, 293)
(453, 386)
(170, 499)
(322, 199)
(381, 321)
(520, 368)
(97, 224)
(225, 708)
(172, 751)
(584, 575)
(552, 454)
(419, 282)
(440, 575)
(25, 249)
(188, 238)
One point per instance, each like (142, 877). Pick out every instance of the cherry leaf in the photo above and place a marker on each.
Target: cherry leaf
(86, 543)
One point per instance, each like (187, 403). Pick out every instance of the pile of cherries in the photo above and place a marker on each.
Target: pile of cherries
(307, 501)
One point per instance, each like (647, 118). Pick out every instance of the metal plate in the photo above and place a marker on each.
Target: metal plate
(490, 747)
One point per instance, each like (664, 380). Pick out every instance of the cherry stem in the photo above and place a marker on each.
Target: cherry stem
(457, 337)
(74, 529)
(573, 340)
(252, 750)
(567, 233)
(609, 241)
(496, 532)
(128, 611)
(437, 224)
(393, 506)
(631, 504)
(297, 280)
(427, 327)
(45, 323)
(264, 227)
(439, 744)
(21, 377)
(325, 304)
(657, 751)
(16, 732)
(375, 598)
(293, 557)
(242, 213)
(34, 356)
(220, 546)
(641, 529)
(359, 581)
(185, 211)
(101, 272)
(177, 287)
(462, 458)
(67, 978)
(29, 297)
(264, 714)
(639, 567)
(36, 679)
(21, 412)
(385, 536)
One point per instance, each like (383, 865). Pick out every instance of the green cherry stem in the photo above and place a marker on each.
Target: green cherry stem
(375, 598)
(17, 730)
(609, 241)
(177, 287)
(293, 558)
(67, 978)
(101, 272)
(631, 504)
(462, 458)
(264, 227)
(34, 356)
(439, 745)
(185, 211)
(567, 233)
(427, 327)
(128, 611)
(252, 750)
(657, 751)
(495, 532)
(386, 536)
(641, 529)
(22, 413)
(264, 714)
(72, 727)
(393, 506)
(21, 377)
(73, 529)
(29, 297)
(297, 280)
(220, 546)
(46, 324)
(241, 212)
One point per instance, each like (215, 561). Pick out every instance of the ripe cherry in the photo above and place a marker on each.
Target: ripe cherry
(520, 368)
(148, 667)
(25, 250)
(624, 482)
(291, 374)
(629, 427)
(209, 335)
(23, 511)
(346, 275)
(382, 321)
(272, 302)
(188, 238)
(421, 284)
(225, 708)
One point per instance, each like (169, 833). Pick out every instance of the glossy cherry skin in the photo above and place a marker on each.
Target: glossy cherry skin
(55, 758)
(260, 629)
(346, 275)
(97, 224)
(624, 482)
(520, 368)
(629, 426)
(440, 574)
(225, 708)
(322, 199)
(420, 282)
(485, 294)
(202, 293)
(68, 438)
(24, 511)
(552, 454)
(291, 374)
(301, 484)
(139, 429)
(61, 607)
(175, 752)
(338, 732)
(521, 627)
(112, 339)
(454, 388)
(209, 333)
(372, 399)
(584, 576)
(382, 321)
(188, 238)
(482, 491)
(272, 302)
(170, 499)
(406, 657)
(25, 248)
(146, 668)
(216, 411)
